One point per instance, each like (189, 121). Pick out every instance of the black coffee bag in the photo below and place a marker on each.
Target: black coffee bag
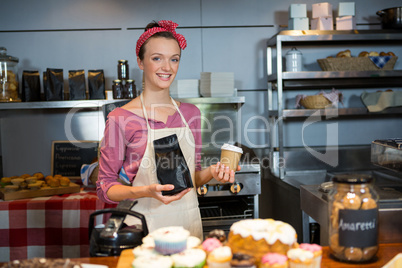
(54, 89)
(30, 86)
(76, 83)
(96, 84)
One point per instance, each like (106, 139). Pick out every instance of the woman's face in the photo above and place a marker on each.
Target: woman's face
(160, 63)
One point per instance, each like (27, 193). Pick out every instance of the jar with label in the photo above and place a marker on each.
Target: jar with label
(117, 89)
(353, 218)
(122, 70)
(8, 77)
(130, 90)
(294, 60)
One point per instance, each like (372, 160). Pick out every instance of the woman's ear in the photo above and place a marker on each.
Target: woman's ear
(139, 62)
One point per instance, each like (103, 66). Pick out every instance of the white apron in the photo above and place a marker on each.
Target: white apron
(184, 212)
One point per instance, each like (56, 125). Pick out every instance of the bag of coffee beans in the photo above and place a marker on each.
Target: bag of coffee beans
(96, 84)
(54, 89)
(30, 86)
(76, 83)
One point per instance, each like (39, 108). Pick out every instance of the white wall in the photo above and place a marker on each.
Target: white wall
(226, 35)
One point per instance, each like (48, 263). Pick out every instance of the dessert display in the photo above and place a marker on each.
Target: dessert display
(35, 185)
(42, 263)
(253, 243)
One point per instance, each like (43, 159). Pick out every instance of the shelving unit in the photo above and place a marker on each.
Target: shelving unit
(280, 80)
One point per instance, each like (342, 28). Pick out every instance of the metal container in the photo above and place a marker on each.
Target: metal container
(8, 77)
(391, 18)
(294, 60)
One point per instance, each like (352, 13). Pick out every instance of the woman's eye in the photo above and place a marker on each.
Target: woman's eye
(175, 60)
(156, 58)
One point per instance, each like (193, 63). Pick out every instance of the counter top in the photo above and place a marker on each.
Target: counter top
(384, 255)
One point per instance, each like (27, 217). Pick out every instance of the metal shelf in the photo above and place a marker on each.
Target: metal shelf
(341, 79)
(67, 104)
(297, 113)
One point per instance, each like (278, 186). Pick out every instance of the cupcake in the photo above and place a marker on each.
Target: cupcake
(217, 233)
(316, 250)
(243, 261)
(170, 240)
(220, 257)
(193, 242)
(274, 260)
(300, 258)
(210, 244)
(192, 257)
(144, 250)
(152, 261)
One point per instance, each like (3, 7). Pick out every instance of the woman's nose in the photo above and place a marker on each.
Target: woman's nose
(166, 66)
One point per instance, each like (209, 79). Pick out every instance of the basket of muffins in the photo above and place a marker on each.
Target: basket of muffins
(254, 243)
(35, 185)
(364, 61)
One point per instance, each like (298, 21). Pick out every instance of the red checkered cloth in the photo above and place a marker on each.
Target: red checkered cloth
(50, 227)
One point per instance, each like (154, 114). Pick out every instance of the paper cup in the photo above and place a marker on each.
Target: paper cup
(230, 156)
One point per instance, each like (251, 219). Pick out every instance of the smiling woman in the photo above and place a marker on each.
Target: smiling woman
(154, 126)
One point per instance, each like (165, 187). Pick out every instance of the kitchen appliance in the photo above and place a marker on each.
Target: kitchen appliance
(8, 77)
(115, 236)
(391, 18)
(222, 204)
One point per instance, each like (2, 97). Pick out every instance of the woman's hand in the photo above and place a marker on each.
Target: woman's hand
(155, 191)
(221, 173)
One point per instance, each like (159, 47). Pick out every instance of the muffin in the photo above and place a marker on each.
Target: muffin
(193, 242)
(170, 240)
(220, 258)
(17, 181)
(64, 181)
(34, 186)
(210, 244)
(144, 250)
(193, 257)
(31, 180)
(316, 250)
(152, 261)
(6, 180)
(242, 261)
(300, 258)
(39, 175)
(11, 188)
(274, 260)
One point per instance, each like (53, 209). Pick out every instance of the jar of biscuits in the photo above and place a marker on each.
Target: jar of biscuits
(8, 77)
(353, 218)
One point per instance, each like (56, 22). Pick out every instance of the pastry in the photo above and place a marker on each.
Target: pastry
(352, 201)
(17, 181)
(53, 182)
(300, 258)
(369, 203)
(6, 180)
(170, 240)
(30, 180)
(220, 257)
(274, 260)
(34, 186)
(25, 176)
(39, 175)
(363, 54)
(219, 234)
(374, 54)
(391, 54)
(344, 54)
(210, 244)
(382, 53)
(11, 188)
(242, 260)
(353, 254)
(144, 250)
(64, 181)
(193, 242)
(152, 261)
(193, 257)
(257, 237)
(317, 252)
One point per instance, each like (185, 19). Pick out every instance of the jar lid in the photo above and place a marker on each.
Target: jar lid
(5, 57)
(123, 61)
(353, 178)
(117, 81)
(293, 51)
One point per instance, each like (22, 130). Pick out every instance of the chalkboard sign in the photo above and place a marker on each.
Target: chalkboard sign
(68, 157)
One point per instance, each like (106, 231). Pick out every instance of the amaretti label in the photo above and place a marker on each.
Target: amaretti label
(358, 228)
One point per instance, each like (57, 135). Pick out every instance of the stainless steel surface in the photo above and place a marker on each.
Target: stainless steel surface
(100, 103)
(319, 35)
(387, 154)
(391, 18)
(287, 113)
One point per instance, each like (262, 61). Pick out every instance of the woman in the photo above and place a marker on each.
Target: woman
(128, 149)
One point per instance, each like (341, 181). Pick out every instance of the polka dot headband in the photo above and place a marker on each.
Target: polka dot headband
(164, 26)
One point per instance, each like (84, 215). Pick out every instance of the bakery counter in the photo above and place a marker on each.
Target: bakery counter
(52, 227)
(385, 254)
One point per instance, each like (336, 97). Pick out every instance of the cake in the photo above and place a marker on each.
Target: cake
(217, 233)
(152, 261)
(240, 260)
(210, 244)
(274, 260)
(257, 237)
(300, 258)
(170, 240)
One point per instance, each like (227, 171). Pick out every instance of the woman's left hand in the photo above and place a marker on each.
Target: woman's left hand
(222, 173)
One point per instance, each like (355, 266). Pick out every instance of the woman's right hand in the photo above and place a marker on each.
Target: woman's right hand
(155, 191)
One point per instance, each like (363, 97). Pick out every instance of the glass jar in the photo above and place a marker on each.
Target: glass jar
(8, 77)
(130, 90)
(117, 89)
(122, 70)
(294, 60)
(353, 218)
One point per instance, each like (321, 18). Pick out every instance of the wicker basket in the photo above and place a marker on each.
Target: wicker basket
(315, 102)
(353, 64)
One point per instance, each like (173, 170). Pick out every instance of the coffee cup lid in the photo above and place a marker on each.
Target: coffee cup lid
(230, 147)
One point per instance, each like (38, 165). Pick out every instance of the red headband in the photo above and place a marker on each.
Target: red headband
(164, 26)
